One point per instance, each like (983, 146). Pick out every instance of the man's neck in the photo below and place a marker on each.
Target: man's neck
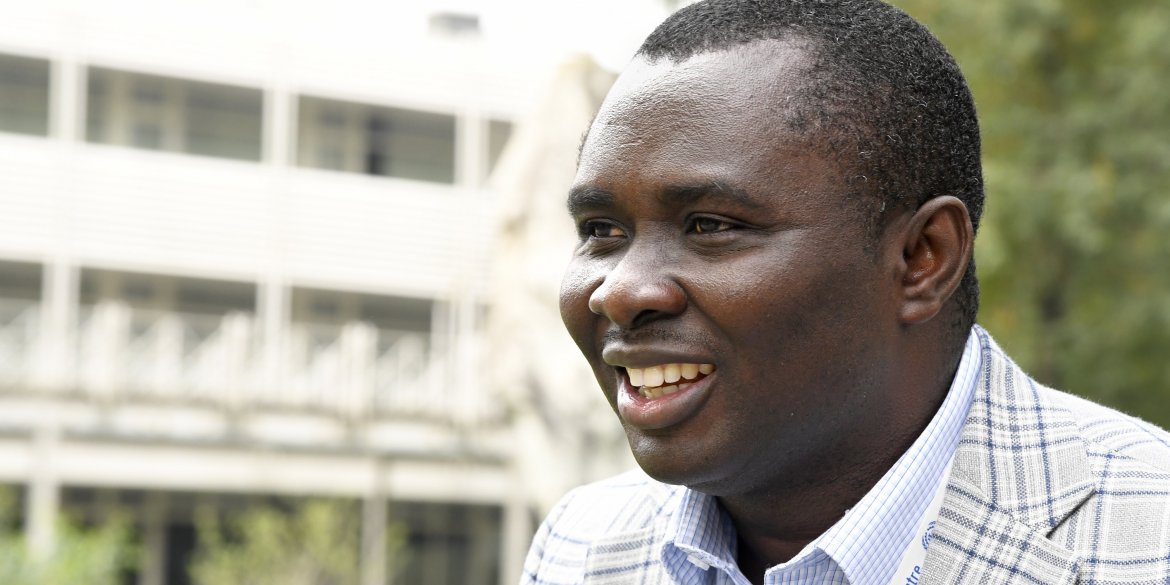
(773, 526)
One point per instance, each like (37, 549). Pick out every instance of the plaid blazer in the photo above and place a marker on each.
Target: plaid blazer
(1046, 489)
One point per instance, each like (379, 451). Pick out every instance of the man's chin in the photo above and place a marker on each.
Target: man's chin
(678, 467)
(703, 467)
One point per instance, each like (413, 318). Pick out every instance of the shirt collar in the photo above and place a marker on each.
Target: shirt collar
(867, 543)
(869, 540)
(698, 536)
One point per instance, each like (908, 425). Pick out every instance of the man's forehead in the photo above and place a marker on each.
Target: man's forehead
(738, 77)
(726, 117)
(712, 115)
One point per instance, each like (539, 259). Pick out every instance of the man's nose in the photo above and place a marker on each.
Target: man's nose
(640, 289)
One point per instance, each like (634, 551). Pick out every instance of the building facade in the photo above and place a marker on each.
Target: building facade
(243, 253)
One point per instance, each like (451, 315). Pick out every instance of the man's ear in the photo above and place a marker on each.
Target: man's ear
(936, 248)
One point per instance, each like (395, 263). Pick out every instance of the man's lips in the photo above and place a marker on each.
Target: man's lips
(636, 355)
(663, 405)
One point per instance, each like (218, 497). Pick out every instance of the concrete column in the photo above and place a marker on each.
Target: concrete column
(468, 394)
(273, 315)
(374, 508)
(54, 362)
(154, 540)
(66, 89)
(456, 371)
(470, 148)
(279, 113)
(273, 302)
(517, 533)
(55, 359)
(43, 499)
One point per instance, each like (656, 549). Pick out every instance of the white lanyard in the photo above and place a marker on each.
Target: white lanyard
(910, 569)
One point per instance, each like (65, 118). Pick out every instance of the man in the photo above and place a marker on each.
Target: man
(774, 287)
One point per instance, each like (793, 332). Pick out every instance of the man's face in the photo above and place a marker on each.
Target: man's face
(711, 235)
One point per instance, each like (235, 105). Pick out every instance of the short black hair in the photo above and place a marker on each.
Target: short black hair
(880, 91)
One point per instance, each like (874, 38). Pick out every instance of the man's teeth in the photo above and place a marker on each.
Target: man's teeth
(671, 373)
(649, 381)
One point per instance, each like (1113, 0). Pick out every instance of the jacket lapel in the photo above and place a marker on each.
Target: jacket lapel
(1019, 470)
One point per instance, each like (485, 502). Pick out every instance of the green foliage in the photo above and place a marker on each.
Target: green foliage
(315, 543)
(94, 556)
(1074, 252)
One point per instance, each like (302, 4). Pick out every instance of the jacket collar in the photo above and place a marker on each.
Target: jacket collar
(1020, 469)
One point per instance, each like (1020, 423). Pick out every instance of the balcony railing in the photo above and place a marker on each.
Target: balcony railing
(354, 371)
(19, 332)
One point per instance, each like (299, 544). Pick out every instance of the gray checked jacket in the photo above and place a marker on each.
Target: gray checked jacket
(1046, 489)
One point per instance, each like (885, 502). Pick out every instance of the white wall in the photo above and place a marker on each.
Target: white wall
(148, 211)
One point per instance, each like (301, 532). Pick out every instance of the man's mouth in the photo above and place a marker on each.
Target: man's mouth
(662, 380)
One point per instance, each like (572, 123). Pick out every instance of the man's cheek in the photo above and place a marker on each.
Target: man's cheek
(577, 284)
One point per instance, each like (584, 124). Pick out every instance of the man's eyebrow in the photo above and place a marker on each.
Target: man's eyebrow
(586, 197)
(685, 194)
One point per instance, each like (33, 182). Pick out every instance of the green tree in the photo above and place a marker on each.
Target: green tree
(1074, 250)
(95, 556)
(316, 542)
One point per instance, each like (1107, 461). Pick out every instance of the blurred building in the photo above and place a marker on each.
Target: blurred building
(245, 251)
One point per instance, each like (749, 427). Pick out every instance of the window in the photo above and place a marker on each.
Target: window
(448, 544)
(24, 95)
(167, 293)
(322, 314)
(176, 115)
(223, 121)
(19, 280)
(326, 307)
(376, 140)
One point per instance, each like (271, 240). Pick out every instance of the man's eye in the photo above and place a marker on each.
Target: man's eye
(710, 225)
(601, 229)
